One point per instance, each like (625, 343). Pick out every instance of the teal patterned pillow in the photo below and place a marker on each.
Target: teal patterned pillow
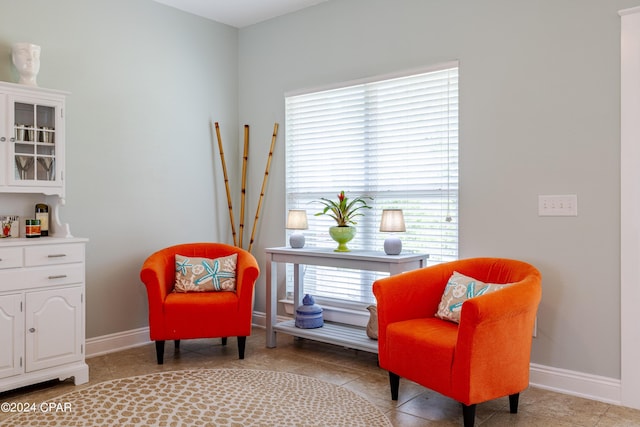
(459, 289)
(203, 274)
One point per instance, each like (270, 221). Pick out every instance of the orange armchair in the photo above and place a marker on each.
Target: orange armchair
(176, 316)
(485, 356)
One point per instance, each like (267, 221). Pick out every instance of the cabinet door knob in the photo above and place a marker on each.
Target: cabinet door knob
(32, 330)
(12, 139)
(3, 139)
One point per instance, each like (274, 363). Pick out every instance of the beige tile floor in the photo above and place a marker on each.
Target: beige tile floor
(354, 370)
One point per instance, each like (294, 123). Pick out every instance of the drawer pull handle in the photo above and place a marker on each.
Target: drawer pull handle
(32, 330)
(56, 255)
(59, 276)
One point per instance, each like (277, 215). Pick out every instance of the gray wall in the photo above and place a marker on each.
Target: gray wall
(539, 113)
(145, 81)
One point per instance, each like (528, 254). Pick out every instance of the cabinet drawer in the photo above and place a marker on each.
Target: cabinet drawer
(56, 275)
(37, 277)
(10, 257)
(53, 254)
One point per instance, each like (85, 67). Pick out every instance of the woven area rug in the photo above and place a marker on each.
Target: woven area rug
(209, 397)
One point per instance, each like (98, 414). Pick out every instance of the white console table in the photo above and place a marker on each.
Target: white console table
(332, 333)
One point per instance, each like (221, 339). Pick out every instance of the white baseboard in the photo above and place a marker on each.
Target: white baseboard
(260, 319)
(119, 341)
(111, 343)
(594, 387)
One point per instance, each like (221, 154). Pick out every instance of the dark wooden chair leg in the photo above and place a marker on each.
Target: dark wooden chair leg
(513, 403)
(469, 415)
(176, 344)
(394, 382)
(242, 341)
(224, 340)
(160, 352)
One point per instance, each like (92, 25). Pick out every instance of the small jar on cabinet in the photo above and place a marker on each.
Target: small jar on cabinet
(32, 228)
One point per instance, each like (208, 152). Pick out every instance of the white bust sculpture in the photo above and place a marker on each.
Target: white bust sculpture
(26, 59)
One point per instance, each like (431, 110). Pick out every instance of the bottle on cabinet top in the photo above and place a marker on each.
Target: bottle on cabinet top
(42, 213)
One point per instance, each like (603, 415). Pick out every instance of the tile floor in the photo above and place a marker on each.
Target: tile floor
(351, 369)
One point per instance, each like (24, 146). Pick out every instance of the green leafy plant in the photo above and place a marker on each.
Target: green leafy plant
(344, 210)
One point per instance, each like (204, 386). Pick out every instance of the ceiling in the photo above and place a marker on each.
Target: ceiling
(240, 13)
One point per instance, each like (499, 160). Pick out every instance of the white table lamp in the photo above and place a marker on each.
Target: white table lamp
(297, 220)
(392, 222)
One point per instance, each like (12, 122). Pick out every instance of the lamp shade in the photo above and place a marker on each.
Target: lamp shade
(297, 220)
(392, 221)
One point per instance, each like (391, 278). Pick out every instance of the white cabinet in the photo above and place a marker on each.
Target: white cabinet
(42, 280)
(42, 311)
(32, 140)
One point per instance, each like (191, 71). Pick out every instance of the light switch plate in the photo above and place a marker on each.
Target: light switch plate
(555, 205)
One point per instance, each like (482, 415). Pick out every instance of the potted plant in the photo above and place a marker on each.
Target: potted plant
(344, 212)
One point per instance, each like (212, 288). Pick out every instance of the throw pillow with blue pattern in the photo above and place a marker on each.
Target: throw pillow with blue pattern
(205, 275)
(459, 289)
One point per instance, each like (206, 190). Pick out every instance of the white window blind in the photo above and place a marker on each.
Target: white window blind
(395, 140)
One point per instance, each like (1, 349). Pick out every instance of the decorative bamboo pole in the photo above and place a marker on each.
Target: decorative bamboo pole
(226, 184)
(264, 184)
(243, 194)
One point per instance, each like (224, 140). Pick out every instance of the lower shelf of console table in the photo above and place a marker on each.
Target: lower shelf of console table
(348, 336)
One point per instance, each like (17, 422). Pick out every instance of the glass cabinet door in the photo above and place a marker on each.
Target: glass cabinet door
(34, 146)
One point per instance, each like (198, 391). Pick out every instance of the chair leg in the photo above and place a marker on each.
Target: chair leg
(242, 341)
(513, 403)
(224, 340)
(469, 415)
(176, 344)
(160, 352)
(394, 382)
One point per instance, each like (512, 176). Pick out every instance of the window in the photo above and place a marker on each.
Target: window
(395, 140)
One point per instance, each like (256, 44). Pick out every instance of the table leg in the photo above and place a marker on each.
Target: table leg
(272, 296)
(298, 280)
